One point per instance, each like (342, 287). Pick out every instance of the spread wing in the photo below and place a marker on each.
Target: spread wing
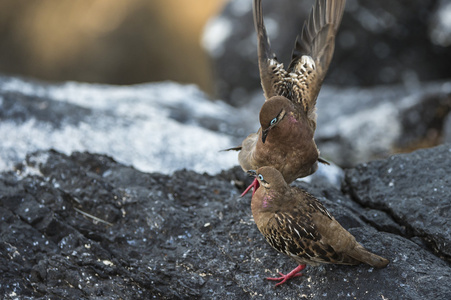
(310, 59)
(314, 48)
(272, 73)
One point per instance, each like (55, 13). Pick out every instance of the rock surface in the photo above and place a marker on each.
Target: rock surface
(163, 127)
(384, 42)
(84, 226)
(420, 203)
(156, 127)
(356, 125)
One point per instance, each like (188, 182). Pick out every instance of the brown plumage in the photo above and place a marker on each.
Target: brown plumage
(297, 224)
(288, 118)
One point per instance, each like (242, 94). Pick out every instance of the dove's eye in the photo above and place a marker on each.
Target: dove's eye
(260, 176)
(273, 121)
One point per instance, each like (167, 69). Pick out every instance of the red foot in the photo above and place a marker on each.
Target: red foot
(254, 185)
(292, 274)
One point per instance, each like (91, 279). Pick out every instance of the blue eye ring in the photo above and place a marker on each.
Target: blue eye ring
(260, 176)
(273, 121)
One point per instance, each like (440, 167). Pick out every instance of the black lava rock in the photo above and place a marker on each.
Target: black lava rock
(84, 226)
(414, 189)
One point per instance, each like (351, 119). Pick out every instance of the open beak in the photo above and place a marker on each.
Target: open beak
(254, 185)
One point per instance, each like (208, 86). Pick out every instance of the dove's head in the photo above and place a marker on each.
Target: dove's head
(273, 113)
(271, 193)
(270, 178)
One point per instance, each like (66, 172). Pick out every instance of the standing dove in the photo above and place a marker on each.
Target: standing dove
(295, 223)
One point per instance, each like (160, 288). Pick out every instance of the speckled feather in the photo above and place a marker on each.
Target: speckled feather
(296, 223)
(295, 234)
(311, 56)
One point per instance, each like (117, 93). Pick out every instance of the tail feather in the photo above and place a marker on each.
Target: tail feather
(361, 254)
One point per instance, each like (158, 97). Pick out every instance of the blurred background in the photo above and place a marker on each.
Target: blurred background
(103, 41)
(388, 88)
(212, 42)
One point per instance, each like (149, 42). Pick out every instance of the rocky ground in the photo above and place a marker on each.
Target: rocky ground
(84, 226)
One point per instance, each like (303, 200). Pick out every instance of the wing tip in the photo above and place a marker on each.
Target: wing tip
(324, 13)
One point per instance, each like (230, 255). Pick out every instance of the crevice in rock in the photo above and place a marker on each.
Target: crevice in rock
(348, 191)
(409, 233)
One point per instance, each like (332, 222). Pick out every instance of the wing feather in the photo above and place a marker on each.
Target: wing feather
(311, 56)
